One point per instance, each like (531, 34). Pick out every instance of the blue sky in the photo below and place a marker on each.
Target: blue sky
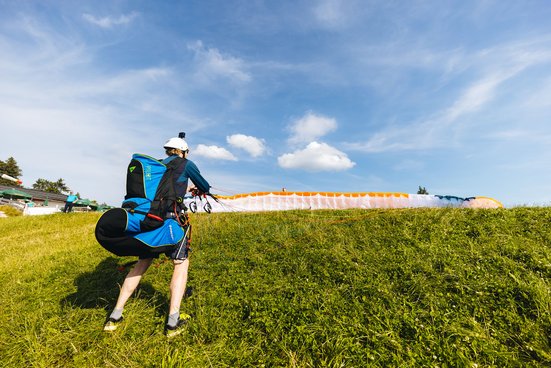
(318, 95)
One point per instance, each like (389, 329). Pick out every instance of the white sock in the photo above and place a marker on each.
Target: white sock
(173, 319)
(116, 314)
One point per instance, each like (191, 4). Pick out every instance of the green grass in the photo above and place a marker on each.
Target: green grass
(355, 288)
(10, 211)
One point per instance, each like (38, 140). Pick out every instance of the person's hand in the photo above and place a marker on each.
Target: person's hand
(196, 192)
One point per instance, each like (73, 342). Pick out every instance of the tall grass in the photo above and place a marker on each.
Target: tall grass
(376, 288)
(10, 211)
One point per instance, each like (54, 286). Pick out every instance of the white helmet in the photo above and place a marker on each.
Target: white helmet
(177, 143)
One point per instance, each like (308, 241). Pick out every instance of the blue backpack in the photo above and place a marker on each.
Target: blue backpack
(151, 191)
(148, 220)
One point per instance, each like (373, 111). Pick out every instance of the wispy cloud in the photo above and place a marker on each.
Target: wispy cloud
(435, 131)
(474, 97)
(110, 21)
(213, 64)
(495, 66)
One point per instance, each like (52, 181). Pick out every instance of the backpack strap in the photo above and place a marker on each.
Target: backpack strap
(168, 191)
(178, 189)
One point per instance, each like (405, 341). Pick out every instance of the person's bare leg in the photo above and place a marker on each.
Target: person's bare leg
(128, 287)
(178, 285)
(132, 281)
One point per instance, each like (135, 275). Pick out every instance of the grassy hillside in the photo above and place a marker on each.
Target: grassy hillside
(376, 288)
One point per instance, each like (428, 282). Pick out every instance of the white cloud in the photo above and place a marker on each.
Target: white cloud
(213, 64)
(214, 152)
(316, 157)
(110, 22)
(254, 146)
(311, 127)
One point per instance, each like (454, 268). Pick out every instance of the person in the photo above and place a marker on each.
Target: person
(70, 202)
(175, 147)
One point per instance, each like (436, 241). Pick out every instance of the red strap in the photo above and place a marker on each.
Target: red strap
(155, 217)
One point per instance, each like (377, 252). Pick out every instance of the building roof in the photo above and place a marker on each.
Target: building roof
(37, 194)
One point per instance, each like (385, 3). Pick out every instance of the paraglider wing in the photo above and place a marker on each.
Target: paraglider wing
(7, 177)
(280, 201)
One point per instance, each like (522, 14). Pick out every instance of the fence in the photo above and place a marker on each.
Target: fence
(12, 203)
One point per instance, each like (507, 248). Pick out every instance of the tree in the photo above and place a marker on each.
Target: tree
(63, 188)
(10, 167)
(58, 186)
(44, 185)
(422, 190)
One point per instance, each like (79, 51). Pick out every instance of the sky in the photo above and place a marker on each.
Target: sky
(307, 95)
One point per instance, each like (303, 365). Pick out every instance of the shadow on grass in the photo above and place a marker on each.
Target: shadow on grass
(100, 288)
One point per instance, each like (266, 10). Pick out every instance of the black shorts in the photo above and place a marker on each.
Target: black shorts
(184, 254)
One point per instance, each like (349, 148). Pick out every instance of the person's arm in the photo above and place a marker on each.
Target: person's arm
(192, 172)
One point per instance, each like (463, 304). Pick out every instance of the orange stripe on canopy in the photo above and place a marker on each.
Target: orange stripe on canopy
(323, 194)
